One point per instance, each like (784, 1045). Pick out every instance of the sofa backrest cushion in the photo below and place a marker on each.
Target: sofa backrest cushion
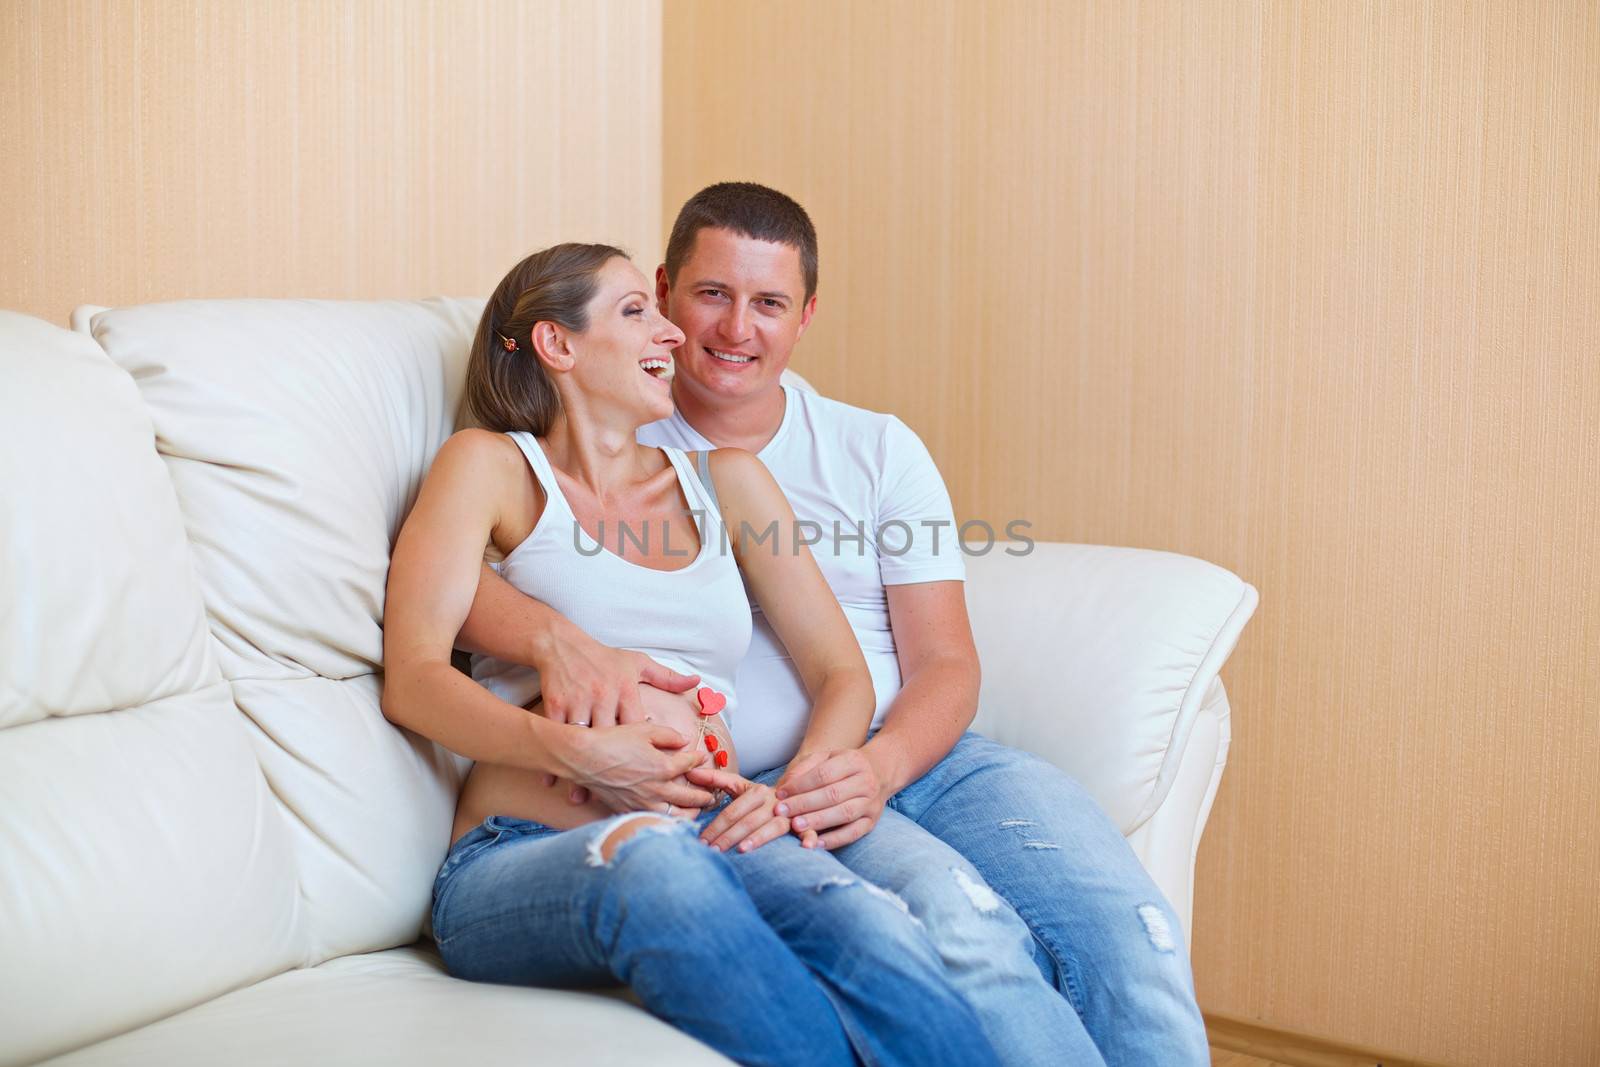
(94, 551)
(143, 867)
(296, 434)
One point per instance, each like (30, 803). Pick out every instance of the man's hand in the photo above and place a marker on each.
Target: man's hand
(749, 821)
(589, 684)
(836, 795)
(635, 767)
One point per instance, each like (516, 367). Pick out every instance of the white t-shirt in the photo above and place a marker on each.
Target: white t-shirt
(883, 516)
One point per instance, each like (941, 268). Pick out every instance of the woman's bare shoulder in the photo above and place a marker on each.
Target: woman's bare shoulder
(482, 445)
(746, 489)
(483, 468)
(480, 458)
(737, 467)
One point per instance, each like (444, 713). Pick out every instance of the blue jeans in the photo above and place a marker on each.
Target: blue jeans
(777, 956)
(1076, 917)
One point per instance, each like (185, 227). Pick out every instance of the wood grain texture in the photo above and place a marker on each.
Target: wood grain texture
(1309, 290)
(271, 148)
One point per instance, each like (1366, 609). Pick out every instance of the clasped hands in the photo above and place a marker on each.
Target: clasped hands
(826, 798)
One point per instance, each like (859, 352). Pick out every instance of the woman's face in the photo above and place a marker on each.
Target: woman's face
(625, 356)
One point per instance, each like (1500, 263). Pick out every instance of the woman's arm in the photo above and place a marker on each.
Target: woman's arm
(803, 612)
(433, 576)
(798, 602)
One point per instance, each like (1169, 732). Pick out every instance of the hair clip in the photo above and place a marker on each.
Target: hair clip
(510, 343)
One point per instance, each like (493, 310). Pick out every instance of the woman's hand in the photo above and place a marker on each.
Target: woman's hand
(635, 767)
(750, 819)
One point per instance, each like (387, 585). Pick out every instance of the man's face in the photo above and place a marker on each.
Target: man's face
(741, 306)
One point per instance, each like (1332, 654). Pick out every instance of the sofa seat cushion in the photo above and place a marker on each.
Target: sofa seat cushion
(394, 1008)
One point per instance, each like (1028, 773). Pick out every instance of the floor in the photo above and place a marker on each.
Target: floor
(1219, 1058)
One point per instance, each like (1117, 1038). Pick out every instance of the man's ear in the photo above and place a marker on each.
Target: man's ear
(552, 346)
(662, 286)
(808, 309)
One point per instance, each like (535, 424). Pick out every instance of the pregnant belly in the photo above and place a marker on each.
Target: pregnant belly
(501, 789)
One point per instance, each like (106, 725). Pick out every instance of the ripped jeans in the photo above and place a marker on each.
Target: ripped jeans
(1036, 901)
(776, 956)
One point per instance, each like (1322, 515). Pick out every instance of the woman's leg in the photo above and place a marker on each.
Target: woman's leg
(636, 899)
(873, 959)
(1107, 936)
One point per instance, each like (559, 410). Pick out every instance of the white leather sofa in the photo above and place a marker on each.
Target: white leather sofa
(213, 847)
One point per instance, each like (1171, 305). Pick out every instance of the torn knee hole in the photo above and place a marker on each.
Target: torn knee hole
(603, 846)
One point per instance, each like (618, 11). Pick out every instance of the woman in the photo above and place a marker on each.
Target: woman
(771, 953)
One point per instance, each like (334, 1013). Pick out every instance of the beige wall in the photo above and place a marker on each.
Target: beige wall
(1309, 290)
(278, 148)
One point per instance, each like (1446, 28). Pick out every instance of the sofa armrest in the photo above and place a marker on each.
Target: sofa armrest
(1099, 659)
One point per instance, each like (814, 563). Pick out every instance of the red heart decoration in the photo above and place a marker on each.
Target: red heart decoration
(722, 758)
(711, 701)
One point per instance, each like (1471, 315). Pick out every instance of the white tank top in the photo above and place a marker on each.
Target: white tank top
(695, 619)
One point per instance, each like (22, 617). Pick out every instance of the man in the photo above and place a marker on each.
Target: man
(1023, 885)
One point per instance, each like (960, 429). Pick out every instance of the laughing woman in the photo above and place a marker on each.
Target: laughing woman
(771, 952)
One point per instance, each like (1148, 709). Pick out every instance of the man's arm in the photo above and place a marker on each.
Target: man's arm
(939, 695)
(842, 794)
(580, 679)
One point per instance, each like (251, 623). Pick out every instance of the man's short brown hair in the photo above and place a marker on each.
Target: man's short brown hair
(749, 210)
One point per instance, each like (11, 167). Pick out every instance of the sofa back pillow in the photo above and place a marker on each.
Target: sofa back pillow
(296, 434)
(142, 866)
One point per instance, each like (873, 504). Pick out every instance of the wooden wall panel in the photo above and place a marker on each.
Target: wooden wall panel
(1309, 290)
(163, 149)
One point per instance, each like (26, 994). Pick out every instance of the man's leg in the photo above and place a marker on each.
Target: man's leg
(871, 957)
(638, 900)
(1107, 935)
(987, 950)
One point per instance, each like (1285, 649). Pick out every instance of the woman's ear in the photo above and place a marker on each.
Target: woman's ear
(552, 345)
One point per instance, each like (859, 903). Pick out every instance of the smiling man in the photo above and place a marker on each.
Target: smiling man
(1052, 945)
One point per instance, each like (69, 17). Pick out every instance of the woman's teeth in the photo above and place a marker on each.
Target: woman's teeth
(657, 368)
(729, 357)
